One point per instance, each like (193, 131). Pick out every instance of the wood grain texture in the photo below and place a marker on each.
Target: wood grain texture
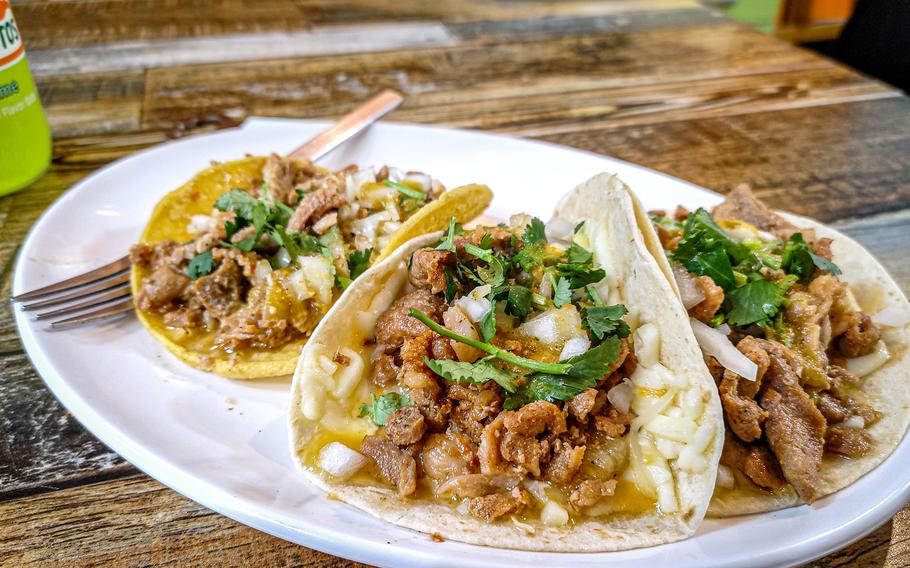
(484, 79)
(78, 22)
(43, 447)
(660, 82)
(827, 162)
(136, 521)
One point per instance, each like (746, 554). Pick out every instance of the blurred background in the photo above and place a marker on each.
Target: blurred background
(872, 36)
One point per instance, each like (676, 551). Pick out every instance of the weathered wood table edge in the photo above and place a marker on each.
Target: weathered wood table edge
(662, 83)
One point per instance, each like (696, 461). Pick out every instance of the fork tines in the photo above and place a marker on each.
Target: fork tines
(99, 293)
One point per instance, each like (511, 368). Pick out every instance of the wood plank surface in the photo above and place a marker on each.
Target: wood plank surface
(136, 521)
(663, 83)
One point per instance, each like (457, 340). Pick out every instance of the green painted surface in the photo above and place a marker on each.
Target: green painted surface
(759, 14)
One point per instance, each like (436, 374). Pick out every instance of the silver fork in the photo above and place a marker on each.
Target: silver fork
(105, 291)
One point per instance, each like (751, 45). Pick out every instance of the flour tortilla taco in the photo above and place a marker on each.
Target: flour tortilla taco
(815, 390)
(236, 267)
(525, 386)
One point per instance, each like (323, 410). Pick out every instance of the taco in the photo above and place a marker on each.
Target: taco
(236, 267)
(815, 391)
(525, 386)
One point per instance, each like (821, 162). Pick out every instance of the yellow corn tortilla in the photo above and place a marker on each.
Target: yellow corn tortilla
(885, 389)
(322, 393)
(173, 213)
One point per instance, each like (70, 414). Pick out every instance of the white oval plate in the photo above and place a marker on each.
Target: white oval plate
(223, 443)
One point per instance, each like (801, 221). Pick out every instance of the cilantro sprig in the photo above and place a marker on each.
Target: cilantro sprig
(382, 407)
(496, 352)
(800, 261)
(359, 261)
(584, 372)
(603, 321)
(200, 265)
(478, 372)
(405, 190)
(756, 302)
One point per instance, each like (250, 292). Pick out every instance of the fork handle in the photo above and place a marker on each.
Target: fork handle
(348, 125)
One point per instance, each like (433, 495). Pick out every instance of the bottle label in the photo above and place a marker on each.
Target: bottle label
(11, 47)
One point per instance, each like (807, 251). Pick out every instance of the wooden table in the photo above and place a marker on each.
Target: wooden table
(663, 83)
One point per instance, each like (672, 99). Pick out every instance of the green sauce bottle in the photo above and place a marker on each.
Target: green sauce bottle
(25, 139)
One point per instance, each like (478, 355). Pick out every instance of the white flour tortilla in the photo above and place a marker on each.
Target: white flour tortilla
(887, 389)
(647, 293)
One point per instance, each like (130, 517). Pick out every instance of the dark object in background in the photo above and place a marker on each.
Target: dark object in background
(876, 41)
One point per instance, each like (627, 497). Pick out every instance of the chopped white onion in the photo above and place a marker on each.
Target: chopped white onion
(340, 461)
(546, 287)
(689, 291)
(554, 327)
(717, 345)
(536, 488)
(724, 328)
(263, 269)
(520, 220)
(725, 478)
(862, 366)
(855, 421)
(313, 278)
(201, 224)
(554, 515)
(575, 346)
(423, 181)
(892, 316)
(559, 230)
(354, 181)
(369, 226)
(475, 304)
(621, 396)
(457, 320)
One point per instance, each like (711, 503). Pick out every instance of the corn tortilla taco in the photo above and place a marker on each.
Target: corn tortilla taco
(526, 386)
(814, 391)
(236, 267)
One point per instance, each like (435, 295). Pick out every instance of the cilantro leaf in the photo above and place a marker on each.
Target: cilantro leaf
(246, 244)
(494, 274)
(486, 241)
(534, 232)
(448, 240)
(580, 275)
(530, 256)
(518, 302)
(380, 408)
(701, 225)
(405, 190)
(478, 372)
(488, 323)
(577, 254)
(551, 388)
(476, 251)
(451, 285)
(594, 296)
(359, 261)
(800, 261)
(606, 321)
(200, 265)
(756, 302)
(562, 293)
(715, 264)
(238, 201)
(707, 250)
(595, 363)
